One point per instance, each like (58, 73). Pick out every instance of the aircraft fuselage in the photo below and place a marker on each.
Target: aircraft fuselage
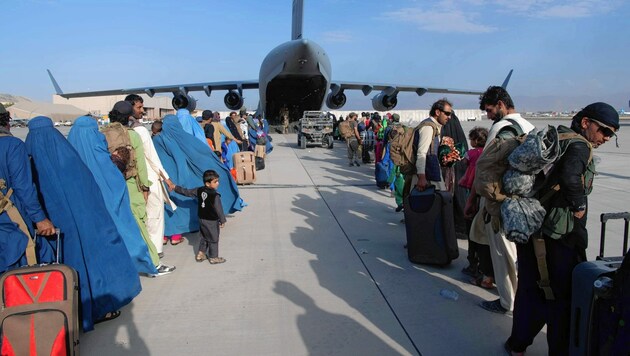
(295, 75)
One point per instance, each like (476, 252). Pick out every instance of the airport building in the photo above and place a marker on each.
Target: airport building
(154, 108)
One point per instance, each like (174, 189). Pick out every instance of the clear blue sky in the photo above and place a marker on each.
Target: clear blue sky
(565, 54)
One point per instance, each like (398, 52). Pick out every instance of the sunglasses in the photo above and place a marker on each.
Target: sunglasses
(447, 113)
(604, 130)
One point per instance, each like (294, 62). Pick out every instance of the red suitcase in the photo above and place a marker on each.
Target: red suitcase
(39, 313)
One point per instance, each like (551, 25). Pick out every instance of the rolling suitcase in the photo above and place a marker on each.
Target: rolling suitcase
(39, 313)
(600, 294)
(244, 164)
(430, 227)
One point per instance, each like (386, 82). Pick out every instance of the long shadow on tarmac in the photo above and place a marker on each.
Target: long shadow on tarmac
(106, 337)
(329, 333)
(433, 324)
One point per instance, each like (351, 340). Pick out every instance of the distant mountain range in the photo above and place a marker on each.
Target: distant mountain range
(8, 98)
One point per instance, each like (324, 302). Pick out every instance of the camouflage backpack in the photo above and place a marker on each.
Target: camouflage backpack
(119, 145)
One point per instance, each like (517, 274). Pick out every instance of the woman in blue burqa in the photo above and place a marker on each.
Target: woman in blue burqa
(91, 243)
(185, 159)
(92, 148)
(190, 125)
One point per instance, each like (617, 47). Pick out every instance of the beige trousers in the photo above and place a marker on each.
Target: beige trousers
(503, 254)
(155, 215)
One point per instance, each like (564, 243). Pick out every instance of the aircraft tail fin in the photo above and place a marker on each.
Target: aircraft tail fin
(296, 23)
(507, 79)
(54, 83)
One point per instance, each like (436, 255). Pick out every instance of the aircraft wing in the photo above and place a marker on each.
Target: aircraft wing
(392, 89)
(152, 90)
(367, 88)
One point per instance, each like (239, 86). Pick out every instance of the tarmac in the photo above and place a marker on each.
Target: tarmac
(316, 266)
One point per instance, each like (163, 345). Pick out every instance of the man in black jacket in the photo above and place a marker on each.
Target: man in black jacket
(564, 236)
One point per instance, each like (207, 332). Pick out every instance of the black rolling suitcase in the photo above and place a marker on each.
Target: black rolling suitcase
(430, 227)
(39, 314)
(600, 300)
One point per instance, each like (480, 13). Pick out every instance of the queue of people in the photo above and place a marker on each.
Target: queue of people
(142, 191)
(495, 261)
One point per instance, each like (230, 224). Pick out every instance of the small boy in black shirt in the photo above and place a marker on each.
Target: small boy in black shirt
(211, 217)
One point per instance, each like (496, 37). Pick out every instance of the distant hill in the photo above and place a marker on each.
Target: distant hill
(8, 98)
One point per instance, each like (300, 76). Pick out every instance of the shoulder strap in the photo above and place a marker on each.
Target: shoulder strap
(540, 250)
(515, 127)
(436, 131)
(577, 137)
(7, 205)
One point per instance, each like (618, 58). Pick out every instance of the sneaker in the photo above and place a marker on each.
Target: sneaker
(495, 307)
(216, 260)
(399, 208)
(164, 269)
(357, 163)
(161, 254)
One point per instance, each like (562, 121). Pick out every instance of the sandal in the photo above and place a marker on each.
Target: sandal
(177, 242)
(483, 282)
(216, 260)
(201, 257)
(109, 316)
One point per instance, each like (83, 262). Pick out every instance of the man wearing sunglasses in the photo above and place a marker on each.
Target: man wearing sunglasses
(565, 246)
(425, 143)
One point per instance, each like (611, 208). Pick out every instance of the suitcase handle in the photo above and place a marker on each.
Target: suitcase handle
(58, 233)
(604, 217)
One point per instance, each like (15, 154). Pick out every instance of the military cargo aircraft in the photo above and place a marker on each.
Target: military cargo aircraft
(295, 76)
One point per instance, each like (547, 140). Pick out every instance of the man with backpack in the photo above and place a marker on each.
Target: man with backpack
(499, 107)
(353, 139)
(425, 143)
(125, 146)
(546, 299)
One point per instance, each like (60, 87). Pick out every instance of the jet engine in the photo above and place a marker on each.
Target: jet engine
(336, 101)
(181, 101)
(384, 102)
(233, 100)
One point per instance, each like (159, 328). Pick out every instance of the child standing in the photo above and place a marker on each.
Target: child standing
(477, 137)
(211, 217)
(479, 262)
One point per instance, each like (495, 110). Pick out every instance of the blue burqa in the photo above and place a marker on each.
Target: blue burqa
(190, 125)
(91, 146)
(15, 170)
(91, 243)
(185, 159)
(255, 131)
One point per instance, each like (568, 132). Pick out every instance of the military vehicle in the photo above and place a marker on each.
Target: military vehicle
(315, 128)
